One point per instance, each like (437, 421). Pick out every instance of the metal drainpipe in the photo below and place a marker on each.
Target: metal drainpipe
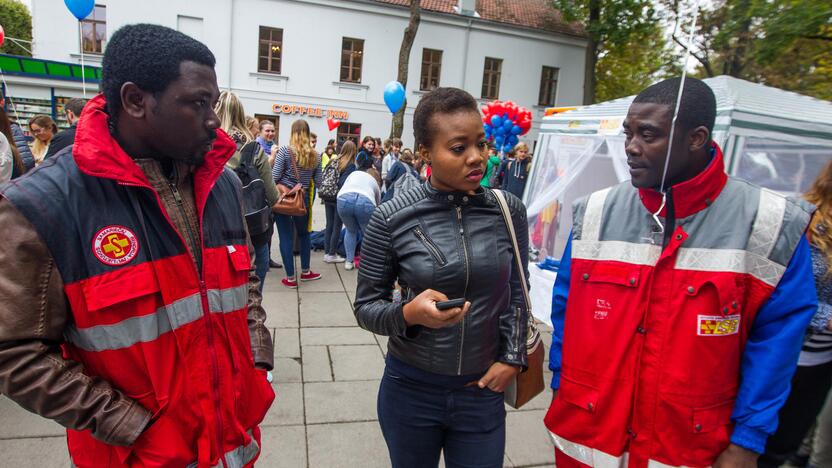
(465, 53)
(231, 44)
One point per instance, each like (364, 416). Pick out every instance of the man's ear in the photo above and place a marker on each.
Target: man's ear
(424, 153)
(134, 100)
(699, 138)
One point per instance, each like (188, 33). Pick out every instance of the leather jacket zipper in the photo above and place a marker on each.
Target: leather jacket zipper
(467, 274)
(432, 248)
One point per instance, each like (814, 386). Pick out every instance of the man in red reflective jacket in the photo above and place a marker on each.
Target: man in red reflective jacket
(129, 311)
(676, 335)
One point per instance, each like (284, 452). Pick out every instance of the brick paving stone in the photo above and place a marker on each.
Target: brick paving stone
(527, 440)
(316, 365)
(47, 452)
(287, 409)
(326, 309)
(286, 343)
(283, 447)
(331, 402)
(335, 336)
(347, 445)
(357, 362)
(287, 370)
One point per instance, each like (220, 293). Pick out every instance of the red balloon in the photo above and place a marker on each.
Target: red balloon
(332, 124)
(499, 108)
(484, 110)
(2, 36)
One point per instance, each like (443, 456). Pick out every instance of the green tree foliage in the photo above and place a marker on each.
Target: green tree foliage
(627, 49)
(17, 23)
(781, 43)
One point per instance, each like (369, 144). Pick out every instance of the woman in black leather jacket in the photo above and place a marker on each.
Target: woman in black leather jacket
(446, 370)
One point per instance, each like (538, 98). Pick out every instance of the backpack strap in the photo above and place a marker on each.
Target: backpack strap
(247, 153)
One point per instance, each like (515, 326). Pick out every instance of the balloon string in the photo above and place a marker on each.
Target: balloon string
(662, 188)
(6, 87)
(83, 73)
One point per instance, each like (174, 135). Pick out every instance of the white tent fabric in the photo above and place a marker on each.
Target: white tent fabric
(774, 138)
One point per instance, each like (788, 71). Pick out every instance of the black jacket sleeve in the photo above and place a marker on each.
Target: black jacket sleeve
(23, 147)
(514, 320)
(374, 306)
(60, 141)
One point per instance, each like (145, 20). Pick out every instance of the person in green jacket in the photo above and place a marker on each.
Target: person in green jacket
(491, 165)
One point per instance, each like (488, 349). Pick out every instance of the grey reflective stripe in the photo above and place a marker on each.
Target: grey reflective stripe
(591, 226)
(136, 329)
(228, 300)
(770, 213)
(619, 251)
(731, 260)
(239, 457)
(588, 455)
(149, 327)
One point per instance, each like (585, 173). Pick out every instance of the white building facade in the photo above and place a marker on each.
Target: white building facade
(313, 59)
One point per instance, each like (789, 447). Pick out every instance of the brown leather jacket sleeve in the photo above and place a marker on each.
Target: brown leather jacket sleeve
(262, 347)
(33, 315)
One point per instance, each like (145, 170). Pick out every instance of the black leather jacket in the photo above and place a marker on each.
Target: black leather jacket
(457, 244)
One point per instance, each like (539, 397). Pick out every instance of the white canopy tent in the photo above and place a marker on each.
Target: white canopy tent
(773, 138)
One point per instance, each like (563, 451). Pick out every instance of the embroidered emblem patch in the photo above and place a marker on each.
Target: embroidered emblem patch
(718, 325)
(115, 245)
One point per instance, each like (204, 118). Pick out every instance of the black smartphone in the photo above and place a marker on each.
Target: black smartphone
(450, 304)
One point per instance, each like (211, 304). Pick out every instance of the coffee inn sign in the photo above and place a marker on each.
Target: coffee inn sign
(310, 111)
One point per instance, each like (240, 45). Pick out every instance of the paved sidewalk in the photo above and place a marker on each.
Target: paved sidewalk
(326, 379)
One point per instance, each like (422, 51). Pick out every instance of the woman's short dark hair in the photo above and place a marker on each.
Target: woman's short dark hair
(363, 161)
(440, 101)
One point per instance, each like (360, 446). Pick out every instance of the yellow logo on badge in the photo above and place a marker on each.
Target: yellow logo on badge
(718, 325)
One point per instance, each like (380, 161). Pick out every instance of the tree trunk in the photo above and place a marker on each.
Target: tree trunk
(736, 61)
(397, 127)
(591, 51)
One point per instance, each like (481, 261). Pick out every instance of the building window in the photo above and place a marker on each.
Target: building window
(94, 31)
(491, 78)
(274, 119)
(270, 52)
(548, 86)
(431, 68)
(348, 131)
(352, 55)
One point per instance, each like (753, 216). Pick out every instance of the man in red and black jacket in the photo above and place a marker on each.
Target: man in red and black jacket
(129, 312)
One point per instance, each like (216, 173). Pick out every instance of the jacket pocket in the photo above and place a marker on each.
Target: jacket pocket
(581, 395)
(120, 286)
(430, 246)
(693, 434)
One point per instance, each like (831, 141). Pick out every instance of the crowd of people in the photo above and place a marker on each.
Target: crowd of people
(691, 310)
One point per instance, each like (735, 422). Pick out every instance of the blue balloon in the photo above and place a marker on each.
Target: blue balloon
(80, 8)
(515, 130)
(507, 148)
(513, 140)
(496, 121)
(499, 140)
(394, 96)
(508, 124)
(488, 127)
(500, 130)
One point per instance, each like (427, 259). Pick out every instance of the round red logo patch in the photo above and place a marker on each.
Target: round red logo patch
(115, 245)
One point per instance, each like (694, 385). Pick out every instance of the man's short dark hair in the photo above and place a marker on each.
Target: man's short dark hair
(148, 55)
(440, 101)
(75, 105)
(698, 106)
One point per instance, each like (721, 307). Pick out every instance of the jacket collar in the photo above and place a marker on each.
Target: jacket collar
(694, 195)
(98, 154)
(479, 197)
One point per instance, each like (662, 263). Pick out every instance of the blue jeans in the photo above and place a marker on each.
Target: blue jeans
(261, 262)
(355, 211)
(332, 234)
(420, 419)
(286, 227)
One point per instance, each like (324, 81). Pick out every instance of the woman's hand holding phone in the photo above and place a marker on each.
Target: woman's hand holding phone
(422, 311)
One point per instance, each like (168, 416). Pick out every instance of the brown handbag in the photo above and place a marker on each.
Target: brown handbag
(528, 384)
(292, 201)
